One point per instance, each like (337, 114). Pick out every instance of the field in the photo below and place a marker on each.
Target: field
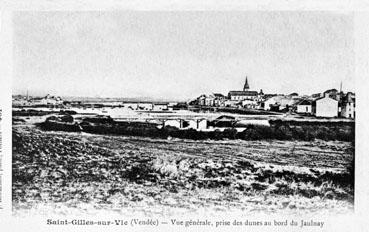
(65, 172)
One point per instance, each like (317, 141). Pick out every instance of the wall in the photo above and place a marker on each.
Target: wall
(145, 106)
(348, 110)
(174, 123)
(326, 107)
(160, 107)
(131, 105)
(269, 102)
(242, 97)
(304, 109)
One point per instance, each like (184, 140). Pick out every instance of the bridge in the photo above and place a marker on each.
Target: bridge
(178, 121)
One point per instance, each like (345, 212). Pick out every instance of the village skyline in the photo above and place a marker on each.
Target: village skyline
(149, 98)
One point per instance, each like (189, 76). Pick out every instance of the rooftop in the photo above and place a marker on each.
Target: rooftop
(305, 102)
(243, 93)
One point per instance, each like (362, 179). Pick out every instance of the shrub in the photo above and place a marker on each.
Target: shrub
(259, 187)
(230, 133)
(67, 118)
(351, 171)
(251, 134)
(99, 120)
(283, 132)
(265, 131)
(217, 134)
(323, 133)
(298, 133)
(52, 118)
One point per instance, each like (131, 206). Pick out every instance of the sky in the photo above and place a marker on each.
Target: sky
(180, 54)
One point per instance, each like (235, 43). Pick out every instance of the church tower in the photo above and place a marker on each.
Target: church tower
(246, 86)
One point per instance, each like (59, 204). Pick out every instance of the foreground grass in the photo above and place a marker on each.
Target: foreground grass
(73, 171)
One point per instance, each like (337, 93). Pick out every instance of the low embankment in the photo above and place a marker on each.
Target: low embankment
(33, 112)
(280, 130)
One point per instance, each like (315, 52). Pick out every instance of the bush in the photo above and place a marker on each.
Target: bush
(67, 118)
(217, 135)
(279, 129)
(230, 133)
(251, 134)
(298, 133)
(53, 118)
(283, 132)
(351, 170)
(265, 131)
(99, 120)
(323, 133)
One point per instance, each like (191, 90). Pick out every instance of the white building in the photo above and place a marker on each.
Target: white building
(198, 124)
(287, 102)
(230, 103)
(305, 107)
(214, 99)
(131, 105)
(47, 100)
(173, 122)
(20, 101)
(272, 101)
(325, 107)
(209, 100)
(250, 104)
(347, 105)
(145, 106)
(160, 106)
(245, 94)
(348, 110)
(283, 102)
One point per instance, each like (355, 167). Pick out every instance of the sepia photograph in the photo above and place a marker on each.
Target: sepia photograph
(162, 113)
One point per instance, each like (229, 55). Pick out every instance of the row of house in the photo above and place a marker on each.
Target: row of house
(246, 98)
(329, 106)
(147, 106)
(331, 103)
(49, 100)
(35, 101)
(198, 124)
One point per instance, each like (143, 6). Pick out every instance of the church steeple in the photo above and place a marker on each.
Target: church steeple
(246, 86)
